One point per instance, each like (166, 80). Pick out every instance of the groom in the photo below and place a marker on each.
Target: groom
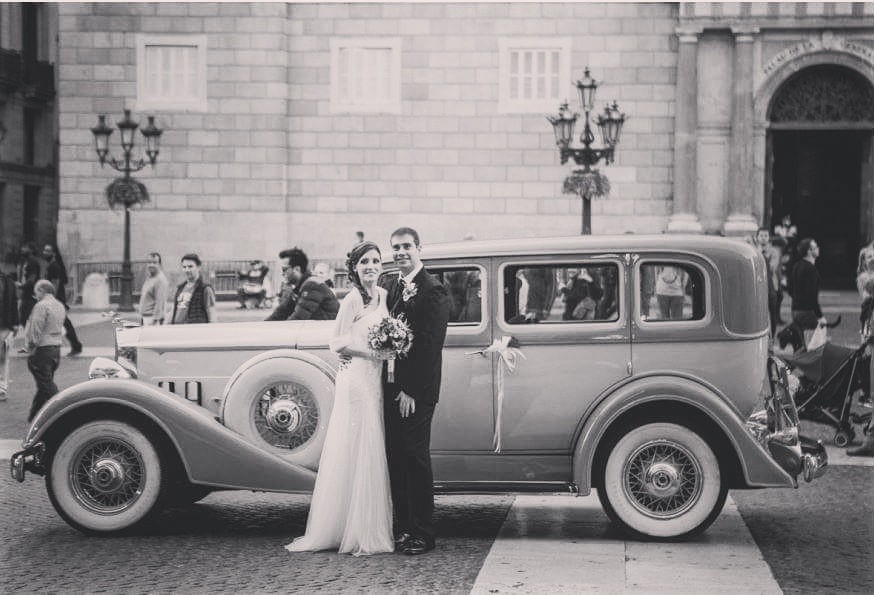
(411, 399)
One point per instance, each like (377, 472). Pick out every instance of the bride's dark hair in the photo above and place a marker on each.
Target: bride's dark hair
(352, 259)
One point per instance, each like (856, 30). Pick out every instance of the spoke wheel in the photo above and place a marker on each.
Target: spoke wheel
(662, 480)
(282, 405)
(105, 477)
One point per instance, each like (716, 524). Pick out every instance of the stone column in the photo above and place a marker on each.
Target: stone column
(740, 219)
(684, 218)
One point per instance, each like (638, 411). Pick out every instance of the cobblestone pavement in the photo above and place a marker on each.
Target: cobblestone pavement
(231, 541)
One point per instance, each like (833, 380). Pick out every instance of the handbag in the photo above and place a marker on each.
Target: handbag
(818, 338)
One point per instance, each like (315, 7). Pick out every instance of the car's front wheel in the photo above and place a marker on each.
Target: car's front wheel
(105, 477)
(662, 481)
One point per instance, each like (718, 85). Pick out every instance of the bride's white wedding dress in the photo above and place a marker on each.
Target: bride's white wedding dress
(351, 508)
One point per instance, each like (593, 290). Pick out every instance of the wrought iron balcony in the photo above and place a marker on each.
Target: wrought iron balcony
(10, 68)
(39, 80)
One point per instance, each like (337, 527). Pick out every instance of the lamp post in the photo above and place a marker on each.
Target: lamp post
(126, 191)
(587, 182)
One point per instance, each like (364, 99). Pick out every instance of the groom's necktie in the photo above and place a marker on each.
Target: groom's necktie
(396, 294)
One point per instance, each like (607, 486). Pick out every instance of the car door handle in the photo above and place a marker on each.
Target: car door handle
(498, 346)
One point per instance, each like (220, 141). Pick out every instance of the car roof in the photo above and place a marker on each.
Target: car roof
(639, 243)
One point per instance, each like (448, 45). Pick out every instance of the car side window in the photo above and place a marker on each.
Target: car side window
(465, 292)
(561, 293)
(671, 291)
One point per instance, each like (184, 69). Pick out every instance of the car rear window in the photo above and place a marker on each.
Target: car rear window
(564, 293)
(671, 291)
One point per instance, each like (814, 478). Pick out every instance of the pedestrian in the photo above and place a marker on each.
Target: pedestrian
(56, 272)
(195, 300)
(772, 262)
(306, 297)
(153, 295)
(323, 271)
(8, 326)
(28, 274)
(786, 239)
(42, 340)
(670, 291)
(865, 272)
(806, 311)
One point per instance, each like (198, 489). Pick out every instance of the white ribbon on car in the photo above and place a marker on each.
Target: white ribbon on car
(509, 358)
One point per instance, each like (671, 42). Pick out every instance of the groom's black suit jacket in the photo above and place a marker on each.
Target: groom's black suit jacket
(427, 312)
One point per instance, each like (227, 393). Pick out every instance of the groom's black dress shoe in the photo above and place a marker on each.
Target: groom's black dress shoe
(417, 545)
(401, 540)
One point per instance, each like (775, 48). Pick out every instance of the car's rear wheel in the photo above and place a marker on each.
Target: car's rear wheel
(105, 477)
(662, 481)
(282, 405)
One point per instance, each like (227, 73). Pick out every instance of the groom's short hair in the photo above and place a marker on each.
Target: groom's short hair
(296, 258)
(406, 231)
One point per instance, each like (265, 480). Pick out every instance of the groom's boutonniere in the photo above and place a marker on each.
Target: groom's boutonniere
(410, 291)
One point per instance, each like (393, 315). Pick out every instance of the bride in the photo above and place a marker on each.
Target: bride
(351, 508)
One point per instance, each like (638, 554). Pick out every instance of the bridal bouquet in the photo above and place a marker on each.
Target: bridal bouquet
(390, 338)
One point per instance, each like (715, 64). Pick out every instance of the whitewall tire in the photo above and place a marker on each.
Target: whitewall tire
(106, 477)
(662, 481)
(282, 405)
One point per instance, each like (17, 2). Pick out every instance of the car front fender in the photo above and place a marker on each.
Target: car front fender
(211, 453)
(758, 467)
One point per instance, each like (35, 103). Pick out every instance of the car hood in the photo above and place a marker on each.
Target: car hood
(237, 335)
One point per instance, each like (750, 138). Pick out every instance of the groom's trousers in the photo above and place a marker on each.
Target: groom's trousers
(408, 449)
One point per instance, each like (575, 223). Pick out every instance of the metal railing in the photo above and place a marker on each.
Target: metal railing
(223, 275)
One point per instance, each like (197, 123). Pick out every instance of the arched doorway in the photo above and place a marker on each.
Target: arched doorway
(820, 163)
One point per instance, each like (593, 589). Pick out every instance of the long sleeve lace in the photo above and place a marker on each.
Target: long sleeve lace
(350, 307)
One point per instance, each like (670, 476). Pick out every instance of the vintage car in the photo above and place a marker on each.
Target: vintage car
(635, 365)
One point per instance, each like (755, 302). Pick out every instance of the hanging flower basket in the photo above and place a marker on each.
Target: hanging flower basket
(588, 184)
(126, 193)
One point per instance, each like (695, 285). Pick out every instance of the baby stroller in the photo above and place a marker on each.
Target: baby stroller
(829, 377)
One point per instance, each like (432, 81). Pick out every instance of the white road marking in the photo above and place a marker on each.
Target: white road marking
(563, 544)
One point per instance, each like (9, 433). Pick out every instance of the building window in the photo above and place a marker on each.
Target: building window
(171, 72)
(30, 135)
(366, 75)
(535, 74)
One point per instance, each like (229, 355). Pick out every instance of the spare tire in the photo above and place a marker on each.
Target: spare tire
(281, 404)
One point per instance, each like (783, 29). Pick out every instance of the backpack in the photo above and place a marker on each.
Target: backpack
(8, 302)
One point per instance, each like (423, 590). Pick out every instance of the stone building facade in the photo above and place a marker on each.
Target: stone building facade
(28, 126)
(300, 124)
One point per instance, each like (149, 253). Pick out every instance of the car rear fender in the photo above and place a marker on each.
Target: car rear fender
(647, 397)
(210, 453)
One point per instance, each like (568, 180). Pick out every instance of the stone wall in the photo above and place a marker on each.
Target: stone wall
(267, 165)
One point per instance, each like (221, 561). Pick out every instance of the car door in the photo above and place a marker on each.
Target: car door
(463, 418)
(568, 318)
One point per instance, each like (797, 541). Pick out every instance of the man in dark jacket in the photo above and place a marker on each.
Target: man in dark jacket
(28, 274)
(806, 312)
(195, 300)
(305, 297)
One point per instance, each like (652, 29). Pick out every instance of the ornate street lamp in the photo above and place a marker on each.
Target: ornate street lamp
(126, 191)
(587, 182)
